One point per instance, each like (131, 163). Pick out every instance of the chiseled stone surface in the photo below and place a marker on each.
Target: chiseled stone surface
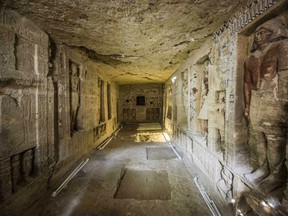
(51, 97)
(25, 133)
(145, 40)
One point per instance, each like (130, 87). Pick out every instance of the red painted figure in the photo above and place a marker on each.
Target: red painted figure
(265, 91)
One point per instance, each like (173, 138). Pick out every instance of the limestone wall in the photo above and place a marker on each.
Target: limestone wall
(209, 126)
(141, 103)
(196, 97)
(55, 107)
(82, 98)
(26, 133)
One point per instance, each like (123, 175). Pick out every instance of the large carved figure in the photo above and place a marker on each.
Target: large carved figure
(74, 95)
(266, 103)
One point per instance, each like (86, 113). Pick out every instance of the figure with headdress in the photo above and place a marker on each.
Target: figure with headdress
(266, 103)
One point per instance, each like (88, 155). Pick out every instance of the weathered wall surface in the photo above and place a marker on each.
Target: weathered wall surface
(209, 126)
(86, 102)
(149, 98)
(55, 106)
(26, 133)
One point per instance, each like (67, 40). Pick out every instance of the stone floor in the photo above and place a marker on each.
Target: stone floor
(120, 180)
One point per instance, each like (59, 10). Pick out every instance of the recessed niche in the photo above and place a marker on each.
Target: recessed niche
(140, 101)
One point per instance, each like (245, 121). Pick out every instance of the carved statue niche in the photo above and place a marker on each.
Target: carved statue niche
(193, 95)
(265, 93)
(184, 88)
(203, 113)
(74, 73)
(169, 103)
(27, 164)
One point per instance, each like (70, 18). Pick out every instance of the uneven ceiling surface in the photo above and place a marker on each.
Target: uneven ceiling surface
(138, 41)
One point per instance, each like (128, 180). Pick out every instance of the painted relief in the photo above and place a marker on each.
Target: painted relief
(219, 112)
(193, 94)
(198, 100)
(185, 90)
(266, 103)
(203, 113)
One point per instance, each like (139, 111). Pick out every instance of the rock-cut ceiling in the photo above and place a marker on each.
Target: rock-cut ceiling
(138, 41)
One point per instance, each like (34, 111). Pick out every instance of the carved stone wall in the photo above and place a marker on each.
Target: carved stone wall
(26, 132)
(193, 139)
(49, 110)
(141, 103)
(228, 154)
(80, 99)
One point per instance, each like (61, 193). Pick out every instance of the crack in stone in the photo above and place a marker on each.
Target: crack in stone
(112, 60)
(181, 43)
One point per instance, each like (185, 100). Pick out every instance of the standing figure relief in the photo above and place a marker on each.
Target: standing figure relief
(266, 102)
(74, 96)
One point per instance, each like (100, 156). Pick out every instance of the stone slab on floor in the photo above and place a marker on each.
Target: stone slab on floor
(144, 185)
(160, 153)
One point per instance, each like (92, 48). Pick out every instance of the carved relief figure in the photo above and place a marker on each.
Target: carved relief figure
(266, 102)
(194, 96)
(203, 114)
(74, 94)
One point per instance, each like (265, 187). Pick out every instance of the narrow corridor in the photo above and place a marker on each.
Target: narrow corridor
(213, 74)
(154, 181)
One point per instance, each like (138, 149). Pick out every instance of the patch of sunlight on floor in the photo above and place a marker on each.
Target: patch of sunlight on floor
(149, 137)
(149, 126)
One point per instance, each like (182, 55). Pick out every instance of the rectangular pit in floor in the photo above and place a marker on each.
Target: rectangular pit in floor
(160, 153)
(144, 185)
